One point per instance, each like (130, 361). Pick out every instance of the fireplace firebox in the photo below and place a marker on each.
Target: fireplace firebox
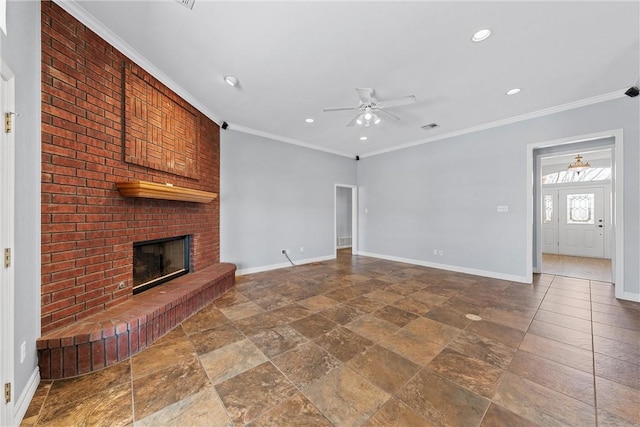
(158, 261)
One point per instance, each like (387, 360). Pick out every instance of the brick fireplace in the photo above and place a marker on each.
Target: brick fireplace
(105, 120)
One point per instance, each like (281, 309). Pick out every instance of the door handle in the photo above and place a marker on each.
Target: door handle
(600, 225)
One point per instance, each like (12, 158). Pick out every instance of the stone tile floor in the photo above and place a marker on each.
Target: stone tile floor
(363, 341)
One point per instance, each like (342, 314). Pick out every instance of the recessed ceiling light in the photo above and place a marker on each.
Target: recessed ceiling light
(363, 138)
(231, 81)
(480, 35)
(309, 120)
(514, 91)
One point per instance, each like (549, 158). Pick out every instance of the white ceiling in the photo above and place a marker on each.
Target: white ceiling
(294, 58)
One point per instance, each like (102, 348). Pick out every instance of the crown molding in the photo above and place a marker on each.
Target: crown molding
(540, 113)
(287, 140)
(75, 10)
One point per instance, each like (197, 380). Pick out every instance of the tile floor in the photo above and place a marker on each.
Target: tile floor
(362, 341)
(576, 266)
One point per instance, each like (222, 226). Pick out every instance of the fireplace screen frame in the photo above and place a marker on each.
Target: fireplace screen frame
(162, 279)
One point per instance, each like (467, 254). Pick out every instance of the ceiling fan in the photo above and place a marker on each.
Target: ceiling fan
(372, 110)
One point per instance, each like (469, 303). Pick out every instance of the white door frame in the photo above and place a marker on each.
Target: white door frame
(7, 204)
(354, 217)
(617, 188)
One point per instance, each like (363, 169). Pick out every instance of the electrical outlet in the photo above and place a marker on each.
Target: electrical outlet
(435, 252)
(23, 351)
(503, 208)
(285, 251)
(440, 252)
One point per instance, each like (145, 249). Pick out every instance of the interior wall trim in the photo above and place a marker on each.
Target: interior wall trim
(243, 271)
(73, 8)
(284, 139)
(22, 404)
(535, 114)
(447, 267)
(618, 204)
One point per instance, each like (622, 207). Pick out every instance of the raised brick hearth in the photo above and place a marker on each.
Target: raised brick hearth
(121, 331)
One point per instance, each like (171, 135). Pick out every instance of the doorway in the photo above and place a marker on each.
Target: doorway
(7, 194)
(345, 231)
(576, 206)
(575, 214)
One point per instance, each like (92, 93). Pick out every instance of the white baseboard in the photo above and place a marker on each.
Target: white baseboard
(457, 269)
(628, 296)
(253, 270)
(22, 404)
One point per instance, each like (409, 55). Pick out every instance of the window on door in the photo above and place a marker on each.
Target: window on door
(580, 208)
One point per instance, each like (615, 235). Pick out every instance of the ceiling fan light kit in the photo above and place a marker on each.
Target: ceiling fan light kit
(371, 110)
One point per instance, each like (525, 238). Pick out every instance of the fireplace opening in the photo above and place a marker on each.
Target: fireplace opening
(158, 261)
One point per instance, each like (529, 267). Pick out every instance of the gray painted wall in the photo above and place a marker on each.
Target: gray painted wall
(443, 195)
(343, 212)
(275, 196)
(20, 50)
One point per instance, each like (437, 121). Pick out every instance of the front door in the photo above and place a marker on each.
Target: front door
(581, 222)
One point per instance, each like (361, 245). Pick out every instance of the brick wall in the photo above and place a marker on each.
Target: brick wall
(87, 228)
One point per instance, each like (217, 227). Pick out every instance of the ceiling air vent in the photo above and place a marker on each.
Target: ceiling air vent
(430, 126)
(187, 3)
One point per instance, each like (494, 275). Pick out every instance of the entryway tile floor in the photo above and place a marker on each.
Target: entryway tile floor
(576, 266)
(362, 341)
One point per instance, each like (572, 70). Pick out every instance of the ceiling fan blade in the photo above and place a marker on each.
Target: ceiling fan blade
(387, 116)
(365, 94)
(396, 102)
(326, 110)
(353, 121)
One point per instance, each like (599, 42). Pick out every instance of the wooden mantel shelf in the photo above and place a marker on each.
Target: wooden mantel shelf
(152, 190)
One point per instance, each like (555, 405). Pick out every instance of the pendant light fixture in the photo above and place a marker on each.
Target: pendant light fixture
(579, 166)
